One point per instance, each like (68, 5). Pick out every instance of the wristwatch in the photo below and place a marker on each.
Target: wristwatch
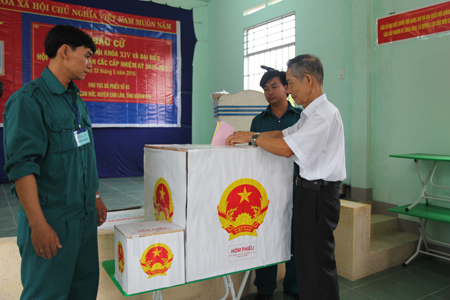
(254, 137)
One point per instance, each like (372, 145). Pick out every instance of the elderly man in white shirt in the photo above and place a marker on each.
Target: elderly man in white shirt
(316, 144)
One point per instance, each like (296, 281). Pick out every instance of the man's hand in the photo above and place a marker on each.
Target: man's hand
(271, 141)
(101, 211)
(239, 137)
(45, 240)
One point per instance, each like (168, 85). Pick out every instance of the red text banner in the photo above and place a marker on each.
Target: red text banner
(68, 11)
(135, 75)
(118, 67)
(412, 24)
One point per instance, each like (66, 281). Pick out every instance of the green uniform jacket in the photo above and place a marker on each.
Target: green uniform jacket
(268, 121)
(39, 125)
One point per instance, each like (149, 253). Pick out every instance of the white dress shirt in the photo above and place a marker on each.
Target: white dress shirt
(317, 141)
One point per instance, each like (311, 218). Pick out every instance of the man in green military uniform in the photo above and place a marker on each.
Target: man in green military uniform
(50, 160)
(280, 114)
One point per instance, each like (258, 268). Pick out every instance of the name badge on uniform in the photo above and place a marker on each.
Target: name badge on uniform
(81, 137)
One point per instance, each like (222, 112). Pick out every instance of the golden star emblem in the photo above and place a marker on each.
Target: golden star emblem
(161, 192)
(244, 195)
(156, 252)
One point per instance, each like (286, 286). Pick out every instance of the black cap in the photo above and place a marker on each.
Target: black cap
(267, 68)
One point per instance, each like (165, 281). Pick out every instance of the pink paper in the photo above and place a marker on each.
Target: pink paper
(222, 133)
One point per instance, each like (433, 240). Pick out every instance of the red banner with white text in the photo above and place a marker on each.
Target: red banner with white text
(135, 78)
(413, 24)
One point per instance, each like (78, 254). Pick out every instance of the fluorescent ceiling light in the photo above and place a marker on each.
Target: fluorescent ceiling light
(271, 2)
(254, 9)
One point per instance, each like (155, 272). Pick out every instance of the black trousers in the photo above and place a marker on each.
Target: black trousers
(316, 215)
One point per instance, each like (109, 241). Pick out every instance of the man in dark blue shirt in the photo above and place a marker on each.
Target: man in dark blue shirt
(280, 114)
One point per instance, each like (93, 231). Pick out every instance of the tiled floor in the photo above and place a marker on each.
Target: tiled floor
(9, 205)
(426, 279)
(116, 193)
(423, 278)
(120, 193)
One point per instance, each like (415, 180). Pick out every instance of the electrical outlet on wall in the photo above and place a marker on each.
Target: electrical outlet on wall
(341, 73)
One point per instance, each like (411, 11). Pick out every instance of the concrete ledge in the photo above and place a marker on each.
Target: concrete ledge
(355, 256)
(352, 238)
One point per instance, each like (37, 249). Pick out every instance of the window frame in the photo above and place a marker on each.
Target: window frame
(259, 49)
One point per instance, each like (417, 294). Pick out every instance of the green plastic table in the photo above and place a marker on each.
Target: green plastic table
(426, 211)
(429, 179)
(108, 266)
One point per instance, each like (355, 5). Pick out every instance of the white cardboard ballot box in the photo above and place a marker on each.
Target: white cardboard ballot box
(235, 204)
(148, 256)
(125, 216)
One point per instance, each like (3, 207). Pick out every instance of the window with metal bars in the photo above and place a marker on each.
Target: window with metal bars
(272, 44)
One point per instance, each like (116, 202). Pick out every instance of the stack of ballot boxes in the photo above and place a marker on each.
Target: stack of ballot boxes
(149, 256)
(235, 204)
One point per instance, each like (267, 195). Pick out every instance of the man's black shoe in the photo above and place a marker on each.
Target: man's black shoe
(263, 297)
(293, 295)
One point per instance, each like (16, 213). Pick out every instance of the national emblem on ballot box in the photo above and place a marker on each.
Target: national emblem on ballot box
(165, 190)
(156, 260)
(162, 201)
(149, 256)
(120, 257)
(235, 204)
(243, 207)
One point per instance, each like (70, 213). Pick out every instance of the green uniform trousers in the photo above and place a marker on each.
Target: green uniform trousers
(73, 273)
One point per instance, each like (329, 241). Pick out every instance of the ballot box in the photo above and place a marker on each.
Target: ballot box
(235, 204)
(148, 256)
(122, 216)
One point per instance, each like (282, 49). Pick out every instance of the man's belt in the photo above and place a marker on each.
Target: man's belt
(314, 184)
